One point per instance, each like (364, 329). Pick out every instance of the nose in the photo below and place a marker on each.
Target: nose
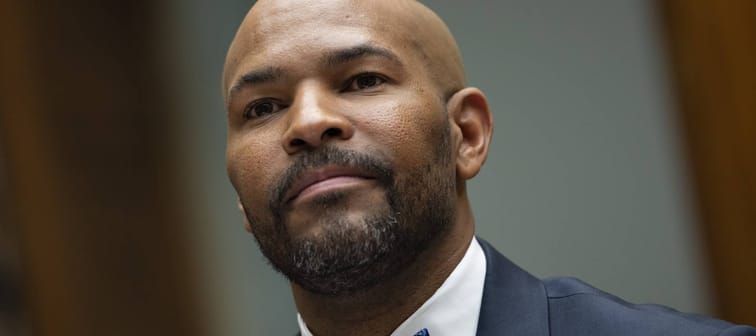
(314, 119)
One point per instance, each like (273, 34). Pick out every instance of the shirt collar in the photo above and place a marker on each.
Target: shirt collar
(454, 308)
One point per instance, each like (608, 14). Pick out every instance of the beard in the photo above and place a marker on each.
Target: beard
(354, 254)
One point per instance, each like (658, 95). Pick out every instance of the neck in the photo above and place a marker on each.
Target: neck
(381, 309)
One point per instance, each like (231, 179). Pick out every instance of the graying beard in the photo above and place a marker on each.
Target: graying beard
(343, 260)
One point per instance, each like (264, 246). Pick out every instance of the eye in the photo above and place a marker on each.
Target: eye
(261, 108)
(364, 82)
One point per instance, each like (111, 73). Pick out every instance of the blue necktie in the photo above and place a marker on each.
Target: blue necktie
(423, 332)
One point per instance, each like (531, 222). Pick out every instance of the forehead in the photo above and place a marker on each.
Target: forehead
(277, 32)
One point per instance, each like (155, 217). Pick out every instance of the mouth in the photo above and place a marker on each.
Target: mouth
(323, 180)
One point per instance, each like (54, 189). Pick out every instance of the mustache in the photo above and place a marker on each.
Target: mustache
(372, 164)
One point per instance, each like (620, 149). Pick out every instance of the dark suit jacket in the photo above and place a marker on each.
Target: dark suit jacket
(517, 304)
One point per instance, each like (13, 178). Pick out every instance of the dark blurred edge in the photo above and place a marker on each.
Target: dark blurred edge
(13, 320)
(712, 47)
(12, 310)
(87, 130)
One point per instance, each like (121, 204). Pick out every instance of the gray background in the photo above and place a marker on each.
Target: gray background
(585, 176)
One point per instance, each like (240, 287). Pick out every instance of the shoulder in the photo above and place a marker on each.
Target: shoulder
(516, 303)
(576, 308)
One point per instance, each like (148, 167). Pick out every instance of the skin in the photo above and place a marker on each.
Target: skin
(389, 111)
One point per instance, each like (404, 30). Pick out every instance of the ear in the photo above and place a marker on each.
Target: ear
(469, 112)
(247, 226)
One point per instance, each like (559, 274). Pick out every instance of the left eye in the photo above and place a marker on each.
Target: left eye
(364, 82)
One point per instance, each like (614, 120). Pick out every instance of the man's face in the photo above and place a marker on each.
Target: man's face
(338, 146)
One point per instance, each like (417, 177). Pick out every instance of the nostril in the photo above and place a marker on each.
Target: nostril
(332, 132)
(296, 142)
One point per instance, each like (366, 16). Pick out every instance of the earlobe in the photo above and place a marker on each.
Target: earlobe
(247, 226)
(469, 112)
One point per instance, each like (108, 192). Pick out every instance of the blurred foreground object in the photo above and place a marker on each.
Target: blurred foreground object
(12, 319)
(713, 54)
(91, 176)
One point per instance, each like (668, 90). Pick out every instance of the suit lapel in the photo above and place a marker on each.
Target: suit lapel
(514, 302)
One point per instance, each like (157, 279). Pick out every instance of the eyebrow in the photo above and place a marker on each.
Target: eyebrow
(256, 77)
(332, 59)
(341, 56)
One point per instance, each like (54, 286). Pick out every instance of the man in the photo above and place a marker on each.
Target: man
(351, 135)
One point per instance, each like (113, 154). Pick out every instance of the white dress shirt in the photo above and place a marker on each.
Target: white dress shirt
(453, 309)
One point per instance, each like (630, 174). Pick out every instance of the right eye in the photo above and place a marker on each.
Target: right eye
(261, 108)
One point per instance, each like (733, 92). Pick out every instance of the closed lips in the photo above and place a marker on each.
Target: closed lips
(325, 178)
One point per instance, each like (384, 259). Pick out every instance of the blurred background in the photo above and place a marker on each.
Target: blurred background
(623, 154)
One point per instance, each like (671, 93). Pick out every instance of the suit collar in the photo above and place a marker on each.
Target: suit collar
(514, 302)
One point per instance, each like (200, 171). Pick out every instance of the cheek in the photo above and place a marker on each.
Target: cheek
(407, 129)
(251, 167)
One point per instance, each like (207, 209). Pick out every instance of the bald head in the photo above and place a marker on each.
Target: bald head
(402, 24)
